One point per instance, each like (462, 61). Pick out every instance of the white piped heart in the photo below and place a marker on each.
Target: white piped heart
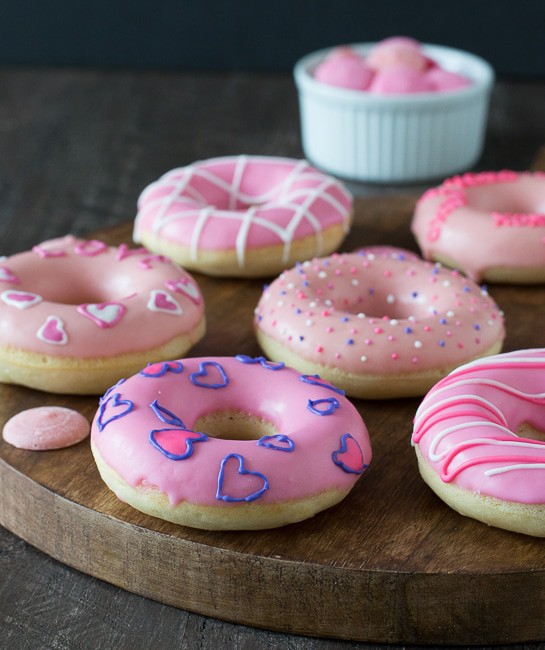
(20, 299)
(8, 276)
(104, 314)
(185, 287)
(162, 301)
(52, 331)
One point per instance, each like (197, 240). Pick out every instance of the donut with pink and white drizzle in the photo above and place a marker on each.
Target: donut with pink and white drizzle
(379, 323)
(227, 443)
(76, 315)
(491, 225)
(479, 439)
(247, 216)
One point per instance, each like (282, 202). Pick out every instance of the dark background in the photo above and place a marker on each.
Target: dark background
(256, 35)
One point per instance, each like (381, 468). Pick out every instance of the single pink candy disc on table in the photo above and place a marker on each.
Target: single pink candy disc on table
(46, 427)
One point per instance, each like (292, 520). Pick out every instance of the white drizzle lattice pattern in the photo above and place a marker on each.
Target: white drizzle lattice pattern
(173, 197)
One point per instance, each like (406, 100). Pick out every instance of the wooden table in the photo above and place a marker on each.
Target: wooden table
(77, 149)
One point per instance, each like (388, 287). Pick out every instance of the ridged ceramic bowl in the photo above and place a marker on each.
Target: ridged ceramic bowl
(395, 138)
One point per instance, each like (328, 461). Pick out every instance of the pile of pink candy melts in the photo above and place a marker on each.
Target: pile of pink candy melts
(396, 65)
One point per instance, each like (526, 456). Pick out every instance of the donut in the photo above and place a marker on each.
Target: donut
(76, 315)
(243, 216)
(46, 427)
(227, 443)
(378, 323)
(490, 225)
(479, 440)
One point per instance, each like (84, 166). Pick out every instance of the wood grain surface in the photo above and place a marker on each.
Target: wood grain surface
(390, 564)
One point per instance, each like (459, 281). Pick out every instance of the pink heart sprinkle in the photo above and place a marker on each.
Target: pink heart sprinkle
(7, 276)
(163, 301)
(52, 331)
(185, 287)
(103, 314)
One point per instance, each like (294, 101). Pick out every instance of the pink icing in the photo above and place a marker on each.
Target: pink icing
(88, 300)
(45, 427)
(278, 396)
(236, 203)
(381, 311)
(465, 426)
(489, 219)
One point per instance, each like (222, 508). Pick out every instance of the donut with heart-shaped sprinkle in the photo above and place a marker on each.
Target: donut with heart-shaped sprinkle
(77, 315)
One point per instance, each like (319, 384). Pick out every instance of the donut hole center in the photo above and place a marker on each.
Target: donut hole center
(531, 431)
(501, 198)
(234, 425)
(398, 305)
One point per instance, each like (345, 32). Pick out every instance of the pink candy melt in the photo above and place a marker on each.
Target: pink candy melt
(396, 65)
(237, 203)
(279, 397)
(46, 427)
(389, 312)
(85, 299)
(466, 426)
(344, 71)
(484, 220)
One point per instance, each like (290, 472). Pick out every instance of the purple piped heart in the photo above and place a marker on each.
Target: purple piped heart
(209, 375)
(176, 444)
(166, 416)
(325, 406)
(103, 314)
(112, 409)
(349, 457)
(161, 368)
(52, 331)
(8, 276)
(185, 287)
(236, 483)
(162, 301)
(268, 365)
(316, 380)
(20, 299)
(278, 442)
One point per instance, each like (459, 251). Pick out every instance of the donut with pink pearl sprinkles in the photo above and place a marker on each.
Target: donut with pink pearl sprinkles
(379, 323)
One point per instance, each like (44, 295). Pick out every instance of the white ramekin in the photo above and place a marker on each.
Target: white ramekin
(395, 138)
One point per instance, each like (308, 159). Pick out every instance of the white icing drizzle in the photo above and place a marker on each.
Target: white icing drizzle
(181, 191)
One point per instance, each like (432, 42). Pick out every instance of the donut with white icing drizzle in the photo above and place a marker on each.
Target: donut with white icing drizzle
(491, 225)
(228, 443)
(379, 323)
(247, 216)
(480, 444)
(76, 315)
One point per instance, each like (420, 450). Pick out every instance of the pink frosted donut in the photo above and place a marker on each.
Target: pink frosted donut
(228, 443)
(467, 434)
(46, 427)
(381, 323)
(491, 225)
(76, 315)
(243, 215)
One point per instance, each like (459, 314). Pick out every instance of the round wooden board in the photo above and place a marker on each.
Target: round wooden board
(391, 563)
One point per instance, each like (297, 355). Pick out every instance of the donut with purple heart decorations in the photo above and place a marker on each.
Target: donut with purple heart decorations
(228, 443)
(77, 315)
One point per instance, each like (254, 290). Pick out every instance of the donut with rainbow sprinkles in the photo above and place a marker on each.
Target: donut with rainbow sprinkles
(379, 323)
